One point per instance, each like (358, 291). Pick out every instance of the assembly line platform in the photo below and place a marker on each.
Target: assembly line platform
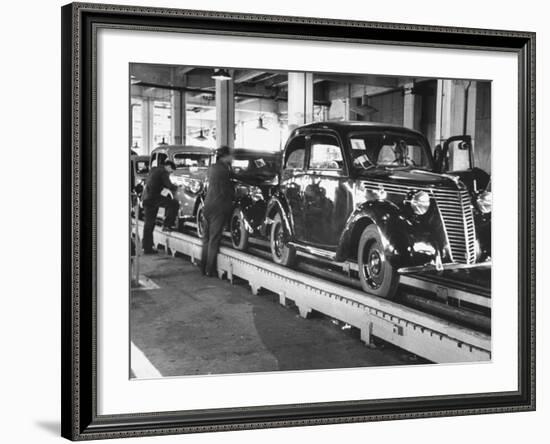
(430, 337)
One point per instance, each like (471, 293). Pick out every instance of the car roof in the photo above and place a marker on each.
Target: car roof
(238, 152)
(141, 157)
(347, 126)
(194, 149)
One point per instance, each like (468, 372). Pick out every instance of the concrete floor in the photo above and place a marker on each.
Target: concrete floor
(193, 325)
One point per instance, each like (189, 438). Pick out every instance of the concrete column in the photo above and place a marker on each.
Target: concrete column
(453, 97)
(177, 102)
(412, 107)
(408, 106)
(300, 99)
(455, 114)
(472, 105)
(443, 116)
(147, 115)
(225, 113)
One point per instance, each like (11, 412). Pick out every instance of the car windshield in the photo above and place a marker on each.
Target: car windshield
(389, 150)
(142, 166)
(261, 167)
(191, 160)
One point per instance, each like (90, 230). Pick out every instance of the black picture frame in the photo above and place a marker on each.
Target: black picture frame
(80, 22)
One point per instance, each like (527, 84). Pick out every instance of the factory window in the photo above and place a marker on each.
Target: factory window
(162, 114)
(259, 131)
(136, 118)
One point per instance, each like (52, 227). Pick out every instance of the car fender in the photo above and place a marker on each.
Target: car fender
(398, 233)
(198, 202)
(279, 204)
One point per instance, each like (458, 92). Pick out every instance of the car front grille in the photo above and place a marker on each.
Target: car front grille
(455, 208)
(456, 211)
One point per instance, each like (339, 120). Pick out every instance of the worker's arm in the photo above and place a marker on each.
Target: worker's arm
(167, 183)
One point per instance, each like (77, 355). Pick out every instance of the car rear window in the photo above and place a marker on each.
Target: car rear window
(191, 160)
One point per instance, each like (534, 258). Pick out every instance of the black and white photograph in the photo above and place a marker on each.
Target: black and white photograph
(295, 220)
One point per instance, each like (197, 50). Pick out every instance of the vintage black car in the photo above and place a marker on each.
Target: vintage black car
(373, 194)
(191, 174)
(255, 176)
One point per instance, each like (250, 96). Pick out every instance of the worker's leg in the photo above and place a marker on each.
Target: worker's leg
(150, 216)
(216, 225)
(171, 206)
(205, 241)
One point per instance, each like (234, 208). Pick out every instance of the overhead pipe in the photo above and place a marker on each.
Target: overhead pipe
(213, 92)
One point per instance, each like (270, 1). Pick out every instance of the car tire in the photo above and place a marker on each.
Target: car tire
(237, 228)
(281, 252)
(376, 273)
(199, 218)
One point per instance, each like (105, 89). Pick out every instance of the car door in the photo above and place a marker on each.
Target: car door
(327, 197)
(292, 181)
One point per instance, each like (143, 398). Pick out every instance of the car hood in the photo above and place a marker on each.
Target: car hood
(410, 177)
(261, 181)
(200, 174)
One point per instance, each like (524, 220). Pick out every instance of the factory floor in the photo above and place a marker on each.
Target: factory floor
(182, 323)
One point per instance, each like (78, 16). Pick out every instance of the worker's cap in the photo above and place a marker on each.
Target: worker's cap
(223, 151)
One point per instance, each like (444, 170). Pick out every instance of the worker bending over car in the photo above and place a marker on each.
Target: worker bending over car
(158, 193)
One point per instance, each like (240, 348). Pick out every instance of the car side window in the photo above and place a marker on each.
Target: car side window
(325, 154)
(296, 154)
(161, 158)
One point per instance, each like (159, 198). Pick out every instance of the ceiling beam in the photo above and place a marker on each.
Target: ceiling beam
(182, 70)
(245, 76)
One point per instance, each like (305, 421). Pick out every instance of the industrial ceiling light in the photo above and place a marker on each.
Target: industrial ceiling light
(261, 124)
(261, 119)
(364, 109)
(221, 74)
(201, 136)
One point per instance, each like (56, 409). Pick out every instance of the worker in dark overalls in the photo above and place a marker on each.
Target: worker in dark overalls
(158, 193)
(217, 208)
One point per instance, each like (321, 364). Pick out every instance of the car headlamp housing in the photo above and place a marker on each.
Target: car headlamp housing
(256, 194)
(195, 186)
(178, 180)
(420, 202)
(485, 202)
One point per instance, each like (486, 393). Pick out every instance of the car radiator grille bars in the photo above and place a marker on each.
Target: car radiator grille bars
(456, 213)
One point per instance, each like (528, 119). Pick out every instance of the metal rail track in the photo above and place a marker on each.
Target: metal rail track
(418, 332)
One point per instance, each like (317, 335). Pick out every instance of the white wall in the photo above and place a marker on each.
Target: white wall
(29, 317)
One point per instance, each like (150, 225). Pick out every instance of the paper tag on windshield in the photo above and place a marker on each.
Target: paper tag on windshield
(357, 144)
(260, 163)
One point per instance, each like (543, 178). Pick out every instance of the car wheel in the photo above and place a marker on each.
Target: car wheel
(376, 274)
(237, 228)
(200, 220)
(281, 252)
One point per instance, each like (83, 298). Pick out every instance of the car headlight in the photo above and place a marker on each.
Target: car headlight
(178, 180)
(420, 202)
(194, 186)
(485, 202)
(256, 194)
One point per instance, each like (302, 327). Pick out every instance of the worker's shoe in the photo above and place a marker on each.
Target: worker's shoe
(167, 229)
(151, 251)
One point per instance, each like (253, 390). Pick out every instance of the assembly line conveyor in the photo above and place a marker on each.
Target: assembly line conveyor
(420, 333)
